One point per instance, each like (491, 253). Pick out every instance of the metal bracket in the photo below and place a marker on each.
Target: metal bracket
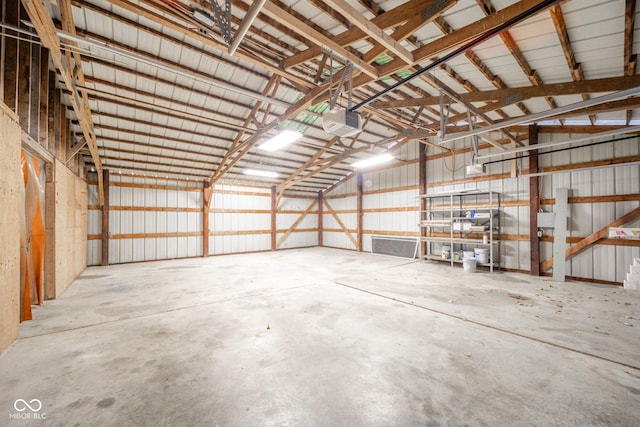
(223, 19)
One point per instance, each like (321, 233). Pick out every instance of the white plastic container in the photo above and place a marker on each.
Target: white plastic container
(482, 255)
(468, 254)
(469, 265)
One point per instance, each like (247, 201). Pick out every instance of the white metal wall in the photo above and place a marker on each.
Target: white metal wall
(239, 220)
(602, 262)
(343, 201)
(306, 231)
(514, 196)
(390, 198)
(155, 219)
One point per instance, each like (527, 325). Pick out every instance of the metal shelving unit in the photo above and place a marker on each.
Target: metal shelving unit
(463, 220)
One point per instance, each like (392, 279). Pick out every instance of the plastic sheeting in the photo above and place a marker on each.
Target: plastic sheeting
(32, 236)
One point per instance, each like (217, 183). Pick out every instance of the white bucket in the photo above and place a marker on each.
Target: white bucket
(468, 254)
(482, 255)
(469, 265)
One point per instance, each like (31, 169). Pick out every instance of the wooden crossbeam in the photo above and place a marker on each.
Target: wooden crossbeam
(239, 148)
(405, 30)
(340, 223)
(372, 30)
(394, 17)
(593, 237)
(172, 24)
(316, 37)
(296, 223)
(47, 32)
(575, 68)
(533, 76)
(503, 97)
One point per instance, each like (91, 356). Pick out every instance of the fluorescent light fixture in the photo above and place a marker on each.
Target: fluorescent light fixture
(382, 158)
(262, 173)
(281, 140)
(203, 17)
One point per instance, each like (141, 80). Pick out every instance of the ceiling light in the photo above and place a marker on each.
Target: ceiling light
(262, 173)
(281, 140)
(382, 158)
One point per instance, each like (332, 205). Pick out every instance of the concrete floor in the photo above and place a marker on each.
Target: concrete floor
(323, 337)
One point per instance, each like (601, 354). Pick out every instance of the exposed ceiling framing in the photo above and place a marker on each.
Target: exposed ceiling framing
(154, 91)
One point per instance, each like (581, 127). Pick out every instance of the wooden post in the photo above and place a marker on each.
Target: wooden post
(422, 184)
(534, 203)
(53, 113)
(10, 63)
(44, 98)
(359, 211)
(206, 205)
(50, 233)
(34, 93)
(274, 208)
(105, 218)
(24, 78)
(320, 217)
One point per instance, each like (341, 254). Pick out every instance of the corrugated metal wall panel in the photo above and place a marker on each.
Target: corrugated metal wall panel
(236, 211)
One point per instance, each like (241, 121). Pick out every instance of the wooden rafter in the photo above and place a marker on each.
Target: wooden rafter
(43, 23)
(296, 223)
(404, 31)
(593, 238)
(385, 21)
(372, 30)
(340, 223)
(239, 148)
(504, 96)
(575, 68)
(440, 45)
(533, 76)
(479, 64)
(316, 37)
(146, 12)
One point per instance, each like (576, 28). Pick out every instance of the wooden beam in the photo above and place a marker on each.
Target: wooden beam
(534, 203)
(46, 29)
(594, 237)
(320, 219)
(516, 53)
(372, 30)
(24, 79)
(34, 92)
(340, 223)
(396, 16)
(206, 206)
(575, 68)
(43, 133)
(296, 223)
(359, 213)
(459, 37)
(316, 37)
(187, 29)
(274, 209)
(105, 219)
(10, 60)
(507, 96)
(239, 148)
